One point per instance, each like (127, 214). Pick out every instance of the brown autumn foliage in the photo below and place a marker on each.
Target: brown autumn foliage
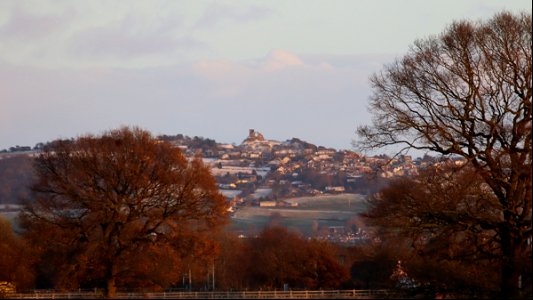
(198, 259)
(116, 210)
(232, 263)
(467, 92)
(16, 258)
(277, 257)
(373, 265)
(444, 218)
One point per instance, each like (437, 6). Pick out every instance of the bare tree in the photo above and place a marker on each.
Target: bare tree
(116, 208)
(467, 92)
(444, 218)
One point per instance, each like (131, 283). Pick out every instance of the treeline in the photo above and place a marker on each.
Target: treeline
(18, 148)
(123, 210)
(126, 211)
(195, 142)
(275, 259)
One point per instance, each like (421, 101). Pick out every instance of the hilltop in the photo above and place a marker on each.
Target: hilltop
(264, 172)
(259, 171)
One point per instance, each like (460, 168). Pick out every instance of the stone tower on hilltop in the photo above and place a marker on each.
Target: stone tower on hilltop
(254, 136)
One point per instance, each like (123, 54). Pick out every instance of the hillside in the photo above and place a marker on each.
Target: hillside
(257, 170)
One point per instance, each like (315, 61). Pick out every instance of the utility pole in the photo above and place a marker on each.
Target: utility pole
(190, 279)
(213, 274)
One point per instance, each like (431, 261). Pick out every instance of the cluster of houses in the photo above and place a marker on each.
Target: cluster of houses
(267, 173)
(264, 172)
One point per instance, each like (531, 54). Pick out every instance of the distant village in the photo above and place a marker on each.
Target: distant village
(258, 172)
(262, 172)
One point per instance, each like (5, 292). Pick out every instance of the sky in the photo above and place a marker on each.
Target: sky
(214, 69)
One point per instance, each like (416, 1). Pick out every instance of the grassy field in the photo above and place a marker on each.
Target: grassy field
(311, 212)
(340, 202)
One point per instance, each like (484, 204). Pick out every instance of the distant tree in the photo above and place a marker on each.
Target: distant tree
(467, 92)
(199, 256)
(115, 209)
(230, 265)
(16, 175)
(369, 183)
(316, 178)
(16, 258)
(374, 264)
(202, 143)
(38, 146)
(279, 257)
(324, 269)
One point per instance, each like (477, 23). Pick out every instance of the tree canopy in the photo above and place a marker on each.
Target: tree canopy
(278, 256)
(445, 216)
(16, 259)
(117, 209)
(467, 93)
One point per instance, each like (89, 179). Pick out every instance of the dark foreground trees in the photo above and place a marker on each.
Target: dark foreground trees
(467, 92)
(16, 258)
(281, 257)
(118, 210)
(442, 226)
(277, 257)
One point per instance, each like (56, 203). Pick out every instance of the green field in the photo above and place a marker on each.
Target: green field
(340, 202)
(311, 212)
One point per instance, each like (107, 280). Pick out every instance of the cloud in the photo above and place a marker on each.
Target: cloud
(283, 72)
(275, 60)
(279, 59)
(22, 24)
(116, 43)
(316, 99)
(129, 39)
(131, 34)
(218, 99)
(217, 13)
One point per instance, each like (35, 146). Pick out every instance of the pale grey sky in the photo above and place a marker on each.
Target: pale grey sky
(291, 68)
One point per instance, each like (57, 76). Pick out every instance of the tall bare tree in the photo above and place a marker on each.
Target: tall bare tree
(444, 219)
(467, 92)
(115, 209)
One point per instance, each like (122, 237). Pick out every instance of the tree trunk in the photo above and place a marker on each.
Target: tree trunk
(111, 289)
(510, 271)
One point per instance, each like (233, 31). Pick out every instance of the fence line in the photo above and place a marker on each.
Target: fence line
(322, 294)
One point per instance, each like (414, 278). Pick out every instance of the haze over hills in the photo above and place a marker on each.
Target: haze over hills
(256, 170)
